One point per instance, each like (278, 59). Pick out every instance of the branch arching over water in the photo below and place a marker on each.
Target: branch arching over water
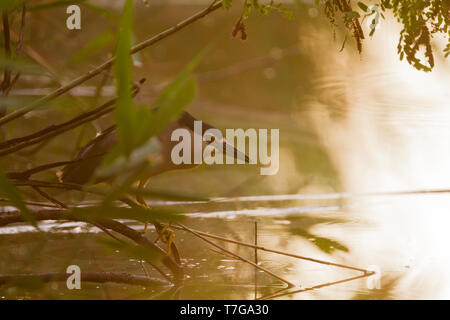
(136, 236)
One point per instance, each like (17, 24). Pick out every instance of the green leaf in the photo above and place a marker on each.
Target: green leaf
(324, 244)
(9, 191)
(143, 118)
(363, 6)
(122, 69)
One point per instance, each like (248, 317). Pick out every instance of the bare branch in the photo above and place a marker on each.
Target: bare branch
(290, 284)
(136, 236)
(327, 284)
(107, 64)
(18, 50)
(51, 131)
(50, 198)
(22, 30)
(27, 173)
(249, 245)
(32, 203)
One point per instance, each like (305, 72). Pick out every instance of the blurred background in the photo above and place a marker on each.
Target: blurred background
(349, 122)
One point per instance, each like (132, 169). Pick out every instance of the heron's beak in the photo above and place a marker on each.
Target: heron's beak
(227, 149)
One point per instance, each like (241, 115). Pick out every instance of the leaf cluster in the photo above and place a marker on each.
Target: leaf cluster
(420, 20)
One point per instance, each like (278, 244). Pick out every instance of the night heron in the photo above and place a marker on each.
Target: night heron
(90, 157)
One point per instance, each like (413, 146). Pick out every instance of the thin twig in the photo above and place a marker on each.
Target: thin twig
(53, 185)
(290, 284)
(27, 173)
(70, 186)
(328, 284)
(275, 251)
(35, 149)
(33, 203)
(106, 231)
(161, 272)
(22, 30)
(18, 50)
(51, 131)
(107, 64)
(36, 137)
(49, 198)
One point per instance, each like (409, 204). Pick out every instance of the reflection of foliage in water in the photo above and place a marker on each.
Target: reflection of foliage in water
(301, 226)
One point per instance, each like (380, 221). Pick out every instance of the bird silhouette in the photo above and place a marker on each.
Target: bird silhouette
(81, 171)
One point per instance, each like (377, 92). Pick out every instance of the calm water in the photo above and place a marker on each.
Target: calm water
(340, 231)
